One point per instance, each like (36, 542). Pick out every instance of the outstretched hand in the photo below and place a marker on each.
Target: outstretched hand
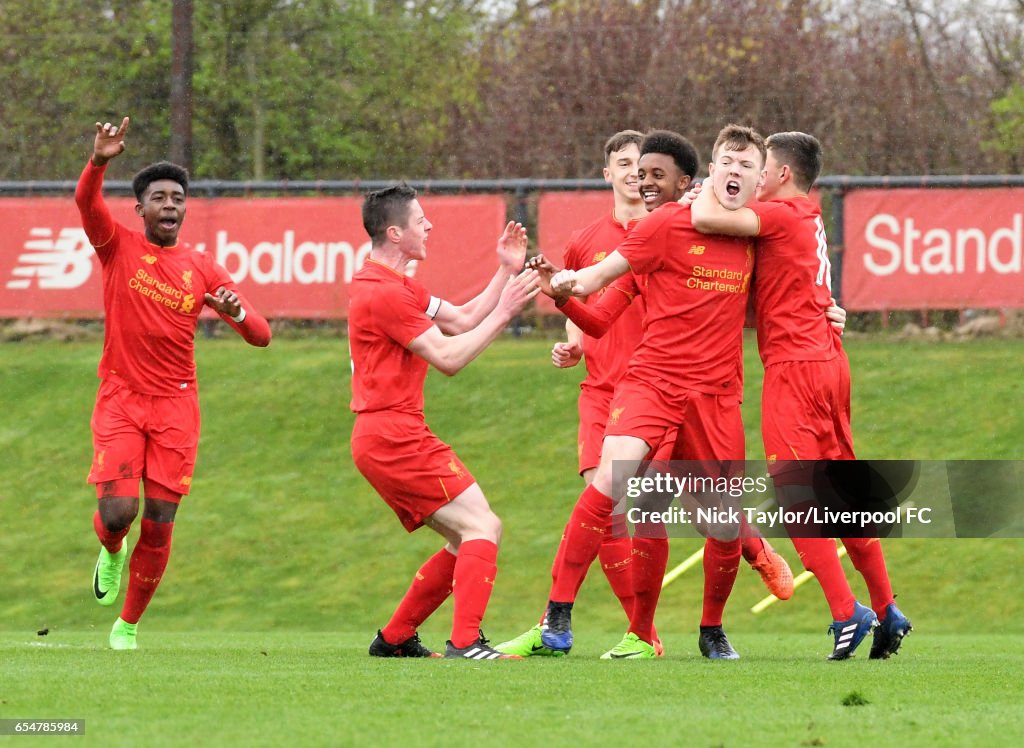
(544, 272)
(512, 247)
(518, 291)
(109, 141)
(225, 302)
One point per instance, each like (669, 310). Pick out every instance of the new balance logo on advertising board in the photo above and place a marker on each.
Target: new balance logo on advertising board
(291, 256)
(60, 262)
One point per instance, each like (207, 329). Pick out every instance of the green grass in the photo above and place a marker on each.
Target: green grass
(278, 688)
(283, 540)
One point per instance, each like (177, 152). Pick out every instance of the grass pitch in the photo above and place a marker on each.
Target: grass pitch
(300, 688)
(285, 563)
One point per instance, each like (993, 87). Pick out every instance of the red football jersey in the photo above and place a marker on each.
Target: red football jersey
(792, 284)
(152, 297)
(606, 357)
(696, 293)
(386, 312)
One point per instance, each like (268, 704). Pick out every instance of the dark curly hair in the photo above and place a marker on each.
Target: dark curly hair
(156, 172)
(672, 144)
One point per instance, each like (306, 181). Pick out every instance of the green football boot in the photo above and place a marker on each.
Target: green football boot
(122, 635)
(528, 645)
(632, 647)
(106, 577)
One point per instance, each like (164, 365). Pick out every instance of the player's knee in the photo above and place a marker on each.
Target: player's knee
(117, 514)
(118, 522)
(603, 480)
(492, 526)
(718, 529)
(486, 526)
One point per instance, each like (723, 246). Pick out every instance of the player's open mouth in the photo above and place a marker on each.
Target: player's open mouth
(732, 188)
(649, 196)
(168, 223)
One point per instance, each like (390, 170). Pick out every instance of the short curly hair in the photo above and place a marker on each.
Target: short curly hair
(155, 172)
(675, 145)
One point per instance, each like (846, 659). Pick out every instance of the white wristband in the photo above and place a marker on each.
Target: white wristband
(240, 318)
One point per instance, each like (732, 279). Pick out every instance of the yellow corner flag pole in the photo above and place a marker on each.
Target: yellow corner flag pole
(694, 559)
(803, 577)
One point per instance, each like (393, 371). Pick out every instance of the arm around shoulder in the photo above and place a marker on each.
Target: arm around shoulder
(709, 217)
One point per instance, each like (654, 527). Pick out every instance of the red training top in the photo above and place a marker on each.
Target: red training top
(152, 297)
(386, 312)
(792, 286)
(606, 356)
(696, 294)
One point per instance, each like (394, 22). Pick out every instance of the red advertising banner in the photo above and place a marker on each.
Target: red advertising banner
(559, 214)
(292, 257)
(933, 248)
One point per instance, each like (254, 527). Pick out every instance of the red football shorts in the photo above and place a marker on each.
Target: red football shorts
(144, 436)
(705, 427)
(413, 471)
(805, 412)
(594, 406)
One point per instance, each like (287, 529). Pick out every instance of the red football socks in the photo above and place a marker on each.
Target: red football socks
(473, 581)
(820, 558)
(430, 587)
(721, 562)
(650, 558)
(146, 567)
(616, 555)
(867, 557)
(110, 540)
(588, 526)
(753, 542)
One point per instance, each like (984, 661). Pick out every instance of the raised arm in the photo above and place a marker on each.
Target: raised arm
(709, 217)
(511, 252)
(96, 218)
(450, 354)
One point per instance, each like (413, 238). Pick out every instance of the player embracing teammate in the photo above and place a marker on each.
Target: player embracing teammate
(805, 413)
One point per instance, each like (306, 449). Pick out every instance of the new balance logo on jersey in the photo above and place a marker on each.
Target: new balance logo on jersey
(599, 256)
(149, 259)
(697, 249)
(60, 262)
